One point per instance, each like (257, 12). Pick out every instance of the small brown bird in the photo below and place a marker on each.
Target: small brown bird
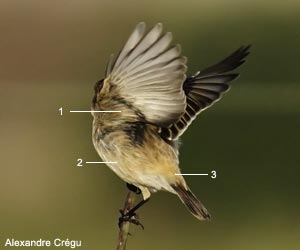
(148, 84)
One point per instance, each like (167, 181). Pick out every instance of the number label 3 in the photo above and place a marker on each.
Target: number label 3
(213, 174)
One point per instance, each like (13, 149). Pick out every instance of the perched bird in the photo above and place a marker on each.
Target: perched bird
(147, 82)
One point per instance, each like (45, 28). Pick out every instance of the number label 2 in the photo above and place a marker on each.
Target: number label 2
(79, 162)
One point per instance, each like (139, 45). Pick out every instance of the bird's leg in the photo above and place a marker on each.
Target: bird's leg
(130, 216)
(133, 188)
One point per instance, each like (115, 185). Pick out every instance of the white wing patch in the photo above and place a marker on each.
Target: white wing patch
(149, 73)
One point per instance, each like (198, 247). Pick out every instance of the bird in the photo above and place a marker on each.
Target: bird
(151, 102)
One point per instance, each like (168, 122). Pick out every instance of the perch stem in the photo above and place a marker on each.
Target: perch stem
(124, 227)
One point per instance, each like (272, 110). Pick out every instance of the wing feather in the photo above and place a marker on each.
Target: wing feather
(149, 73)
(204, 89)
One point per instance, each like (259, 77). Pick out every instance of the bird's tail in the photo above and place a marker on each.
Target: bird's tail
(191, 202)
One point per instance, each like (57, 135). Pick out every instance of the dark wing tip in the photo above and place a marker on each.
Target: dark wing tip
(231, 62)
(239, 56)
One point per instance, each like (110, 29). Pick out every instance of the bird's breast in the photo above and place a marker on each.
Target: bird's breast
(141, 156)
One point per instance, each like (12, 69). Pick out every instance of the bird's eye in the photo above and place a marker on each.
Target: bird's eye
(98, 86)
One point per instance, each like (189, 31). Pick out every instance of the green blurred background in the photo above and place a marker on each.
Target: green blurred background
(52, 53)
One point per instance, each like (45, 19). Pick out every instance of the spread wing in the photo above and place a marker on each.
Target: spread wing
(205, 88)
(149, 73)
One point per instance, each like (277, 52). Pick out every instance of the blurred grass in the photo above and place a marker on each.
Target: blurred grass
(53, 52)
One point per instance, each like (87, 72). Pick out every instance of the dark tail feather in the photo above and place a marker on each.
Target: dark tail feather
(192, 203)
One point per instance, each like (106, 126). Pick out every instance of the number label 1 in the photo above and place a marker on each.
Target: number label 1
(61, 111)
(213, 174)
(79, 162)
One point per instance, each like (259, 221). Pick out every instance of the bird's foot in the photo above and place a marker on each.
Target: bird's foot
(130, 217)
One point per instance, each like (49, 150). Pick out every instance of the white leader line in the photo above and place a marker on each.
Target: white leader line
(95, 111)
(191, 174)
(99, 162)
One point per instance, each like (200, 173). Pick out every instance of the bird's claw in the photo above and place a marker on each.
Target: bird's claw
(129, 217)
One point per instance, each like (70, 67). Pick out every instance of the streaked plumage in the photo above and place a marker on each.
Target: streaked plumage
(148, 84)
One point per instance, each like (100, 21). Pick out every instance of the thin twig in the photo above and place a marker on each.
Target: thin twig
(124, 227)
